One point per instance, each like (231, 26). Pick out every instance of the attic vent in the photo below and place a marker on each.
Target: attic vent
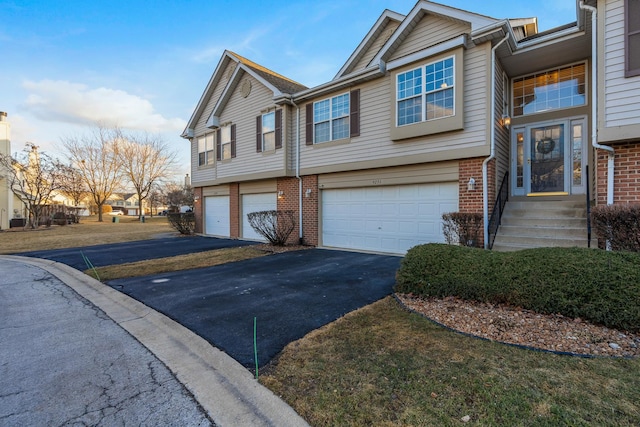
(245, 89)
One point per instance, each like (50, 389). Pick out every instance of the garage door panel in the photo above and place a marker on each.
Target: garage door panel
(216, 212)
(256, 203)
(386, 219)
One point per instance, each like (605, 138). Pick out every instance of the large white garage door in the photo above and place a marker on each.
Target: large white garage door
(216, 216)
(386, 219)
(255, 203)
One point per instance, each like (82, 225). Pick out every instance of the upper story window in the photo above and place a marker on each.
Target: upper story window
(225, 140)
(331, 119)
(205, 150)
(550, 90)
(426, 93)
(269, 131)
(632, 38)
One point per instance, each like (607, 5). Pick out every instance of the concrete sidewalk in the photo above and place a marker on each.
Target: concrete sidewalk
(222, 387)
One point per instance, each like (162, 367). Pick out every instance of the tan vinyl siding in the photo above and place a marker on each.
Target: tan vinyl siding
(218, 190)
(376, 46)
(430, 31)
(502, 134)
(415, 174)
(374, 148)
(201, 124)
(199, 175)
(242, 112)
(268, 186)
(622, 95)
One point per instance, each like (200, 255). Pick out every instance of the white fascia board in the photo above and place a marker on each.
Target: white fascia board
(428, 52)
(215, 77)
(334, 85)
(552, 38)
(386, 15)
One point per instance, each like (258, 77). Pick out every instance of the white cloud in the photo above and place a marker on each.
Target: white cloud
(75, 103)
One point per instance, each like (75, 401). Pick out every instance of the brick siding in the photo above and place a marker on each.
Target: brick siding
(626, 178)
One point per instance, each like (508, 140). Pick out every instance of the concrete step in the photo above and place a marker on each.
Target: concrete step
(543, 222)
(539, 242)
(543, 231)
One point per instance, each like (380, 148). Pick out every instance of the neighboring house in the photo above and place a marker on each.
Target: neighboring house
(432, 113)
(128, 203)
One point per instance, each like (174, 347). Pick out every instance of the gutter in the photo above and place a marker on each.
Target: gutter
(594, 102)
(485, 173)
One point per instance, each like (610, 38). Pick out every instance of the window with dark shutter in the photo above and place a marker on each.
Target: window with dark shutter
(233, 141)
(278, 129)
(354, 119)
(259, 134)
(309, 124)
(632, 38)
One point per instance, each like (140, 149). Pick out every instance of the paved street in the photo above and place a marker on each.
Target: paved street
(64, 362)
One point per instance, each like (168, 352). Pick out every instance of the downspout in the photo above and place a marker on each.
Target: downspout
(594, 101)
(485, 173)
(298, 171)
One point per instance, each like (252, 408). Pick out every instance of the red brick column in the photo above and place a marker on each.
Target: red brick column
(234, 210)
(198, 209)
(310, 210)
(288, 201)
(626, 178)
(472, 200)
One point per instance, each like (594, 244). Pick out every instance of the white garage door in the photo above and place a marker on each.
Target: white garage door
(216, 214)
(255, 203)
(386, 219)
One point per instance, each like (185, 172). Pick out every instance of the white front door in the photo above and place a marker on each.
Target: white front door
(549, 158)
(256, 203)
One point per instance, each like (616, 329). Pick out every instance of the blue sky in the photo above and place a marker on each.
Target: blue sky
(143, 64)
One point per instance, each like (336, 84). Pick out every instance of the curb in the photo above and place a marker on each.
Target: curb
(225, 389)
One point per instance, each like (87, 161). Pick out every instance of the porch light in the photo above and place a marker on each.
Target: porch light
(506, 121)
(196, 198)
(471, 185)
(280, 195)
(307, 193)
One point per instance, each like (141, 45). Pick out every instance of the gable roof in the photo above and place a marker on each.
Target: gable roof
(376, 30)
(280, 85)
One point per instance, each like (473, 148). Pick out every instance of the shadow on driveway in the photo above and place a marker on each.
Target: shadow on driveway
(290, 294)
(120, 253)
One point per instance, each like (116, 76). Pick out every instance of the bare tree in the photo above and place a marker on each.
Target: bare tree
(95, 155)
(33, 177)
(145, 160)
(73, 185)
(177, 195)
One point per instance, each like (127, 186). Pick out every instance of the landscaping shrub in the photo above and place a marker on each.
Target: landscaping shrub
(60, 218)
(599, 286)
(106, 209)
(619, 225)
(184, 223)
(462, 228)
(275, 226)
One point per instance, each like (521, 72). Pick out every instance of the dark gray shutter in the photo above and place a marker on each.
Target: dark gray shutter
(219, 144)
(233, 141)
(259, 134)
(309, 124)
(354, 105)
(279, 128)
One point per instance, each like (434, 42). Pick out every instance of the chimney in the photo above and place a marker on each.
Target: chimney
(187, 181)
(3, 116)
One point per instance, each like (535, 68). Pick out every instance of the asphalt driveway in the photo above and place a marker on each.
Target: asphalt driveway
(288, 294)
(120, 253)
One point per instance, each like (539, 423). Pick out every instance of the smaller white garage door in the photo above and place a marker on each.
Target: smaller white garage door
(255, 203)
(386, 219)
(216, 214)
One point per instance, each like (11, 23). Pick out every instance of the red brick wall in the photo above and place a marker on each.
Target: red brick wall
(234, 208)
(472, 200)
(198, 209)
(290, 201)
(626, 177)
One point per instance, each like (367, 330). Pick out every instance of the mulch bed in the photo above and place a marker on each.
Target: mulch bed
(518, 326)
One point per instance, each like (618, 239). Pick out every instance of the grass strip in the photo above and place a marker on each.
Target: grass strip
(177, 263)
(384, 366)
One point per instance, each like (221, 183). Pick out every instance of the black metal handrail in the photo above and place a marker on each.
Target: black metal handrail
(586, 169)
(498, 209)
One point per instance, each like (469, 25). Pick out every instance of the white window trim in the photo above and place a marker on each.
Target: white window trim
(209, 155)
(424, 93)
(331, 119)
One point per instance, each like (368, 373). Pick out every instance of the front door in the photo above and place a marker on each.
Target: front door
(548, 158)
